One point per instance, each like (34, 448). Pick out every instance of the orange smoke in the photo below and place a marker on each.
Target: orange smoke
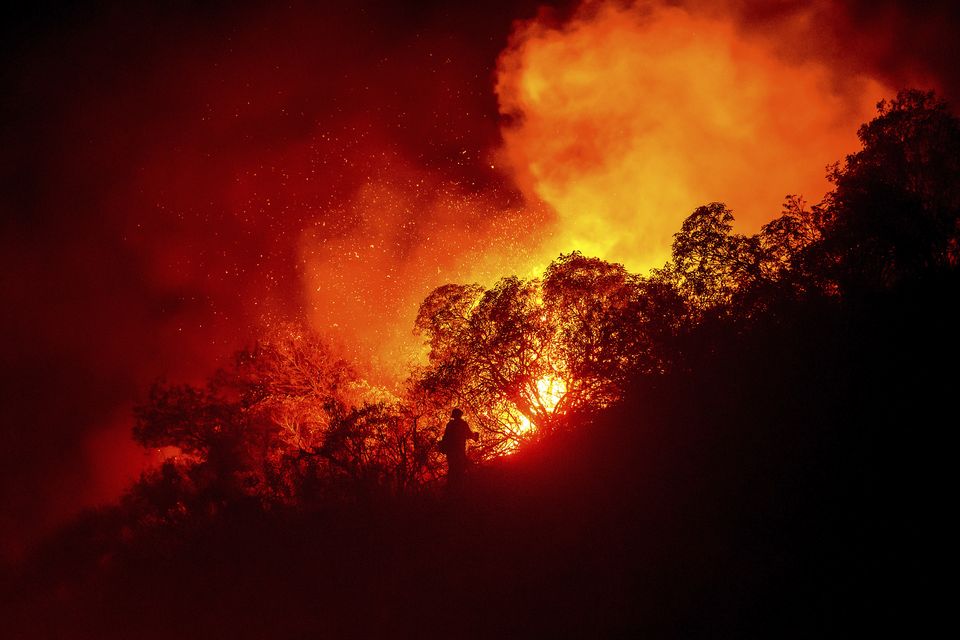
(626, 118)
(409, 231)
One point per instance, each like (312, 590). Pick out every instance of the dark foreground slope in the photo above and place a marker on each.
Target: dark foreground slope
(789, 485)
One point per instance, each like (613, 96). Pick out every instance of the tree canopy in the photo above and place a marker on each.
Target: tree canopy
(894, 209)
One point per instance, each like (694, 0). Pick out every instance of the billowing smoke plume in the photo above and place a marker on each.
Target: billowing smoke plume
(625, 118)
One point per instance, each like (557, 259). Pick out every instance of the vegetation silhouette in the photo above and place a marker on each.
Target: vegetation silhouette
(742, 443)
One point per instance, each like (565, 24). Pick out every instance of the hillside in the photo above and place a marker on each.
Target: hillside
(784, 489)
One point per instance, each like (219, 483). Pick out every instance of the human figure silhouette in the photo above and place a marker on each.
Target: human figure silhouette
(454, 446)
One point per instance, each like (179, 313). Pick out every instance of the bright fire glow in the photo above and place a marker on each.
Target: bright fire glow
(550, 390)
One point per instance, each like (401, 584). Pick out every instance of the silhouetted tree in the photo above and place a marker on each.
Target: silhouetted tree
(375, 448)
(525, 352)
(213, 432)
(611, 324)
(894, 209)
(488, 355)
(709, 262)
(784, 240)
(286, 412)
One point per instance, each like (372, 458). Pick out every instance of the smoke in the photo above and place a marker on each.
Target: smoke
(624, 118)
(407, 231)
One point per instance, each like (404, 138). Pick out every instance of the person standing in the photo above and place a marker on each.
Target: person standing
(454, 446)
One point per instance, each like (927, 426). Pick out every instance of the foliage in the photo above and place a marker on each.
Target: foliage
(287, 421)
(893, 213)
(524, 353)
(710, 262)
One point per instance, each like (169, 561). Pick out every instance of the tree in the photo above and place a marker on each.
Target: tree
(489, 356)
(291, 384)
(376, 448)
(526, 352)
(280, 415)
(784, 240)
(611, 324)
(209, 429)
(894, 210)
(710, 263)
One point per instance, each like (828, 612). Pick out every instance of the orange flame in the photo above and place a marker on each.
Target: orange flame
(549, 393)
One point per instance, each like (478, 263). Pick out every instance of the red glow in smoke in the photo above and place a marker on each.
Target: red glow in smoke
(181, 180)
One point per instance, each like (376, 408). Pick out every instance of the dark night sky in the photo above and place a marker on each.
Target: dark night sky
(159, 166)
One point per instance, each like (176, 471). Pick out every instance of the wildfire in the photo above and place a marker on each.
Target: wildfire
(550, 392)
(545, 397)
(619, 123)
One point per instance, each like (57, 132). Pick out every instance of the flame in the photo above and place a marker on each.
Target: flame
(627, 118)
(549, 391)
